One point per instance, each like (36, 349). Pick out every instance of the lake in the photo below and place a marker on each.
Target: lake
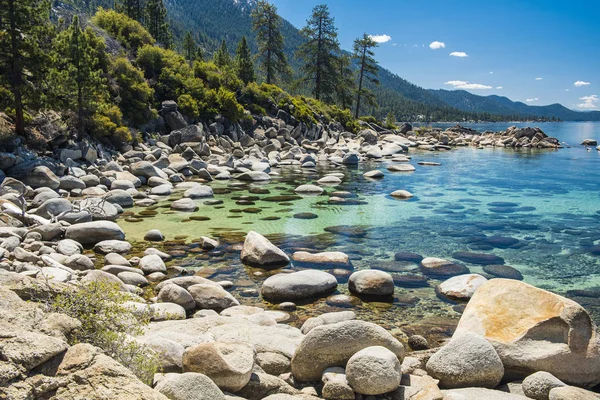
(538, 210)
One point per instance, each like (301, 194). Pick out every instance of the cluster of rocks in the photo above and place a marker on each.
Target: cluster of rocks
(436, 138)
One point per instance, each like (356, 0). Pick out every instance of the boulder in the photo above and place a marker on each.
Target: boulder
(178, 295)
(401, 194)
(112, 246)
(229, 365)
(212, 297)
(468, 360)
(478, 258)
(189, 386)
(537, 386)
(154, 235)
(373, 370)
(41, 176)
(166, 311)
(259, 251)
(438, 267)
(254, 176)
(479, 394)
(308, 189)
(371, 282)
(572, 393)
(374, 174)
(54, 207)
(94, 232)
(332, 345)
(152, 263)
(534, 330)
(298, 285)
(335, 385)
(185, 204)
(170, 353)
(461, 287)
(326, 319)
(198, 191)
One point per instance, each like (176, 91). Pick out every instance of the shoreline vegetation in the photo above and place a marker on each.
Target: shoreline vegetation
(98, 119)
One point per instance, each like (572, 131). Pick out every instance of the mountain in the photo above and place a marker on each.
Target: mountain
(500, 105)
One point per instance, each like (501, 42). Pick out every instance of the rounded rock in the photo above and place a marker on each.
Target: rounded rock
(374, 370)
(371, 282)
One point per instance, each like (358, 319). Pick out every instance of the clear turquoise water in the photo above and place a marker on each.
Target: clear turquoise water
(555, 216)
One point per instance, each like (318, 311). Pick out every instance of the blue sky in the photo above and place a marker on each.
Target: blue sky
(535, 51)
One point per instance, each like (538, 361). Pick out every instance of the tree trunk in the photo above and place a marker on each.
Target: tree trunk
(16, 79)
(79, 112)
(360, 81)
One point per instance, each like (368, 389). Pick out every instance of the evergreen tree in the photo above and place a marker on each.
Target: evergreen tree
(346, 83)
(189, 47)
(23, 25)
(222, 58)
(320, 53)
(134, 9)
(244, 67)
(267, 25)
(390, 120)
(363, 54)
(157, 24)
(199, 54)
(80, 62)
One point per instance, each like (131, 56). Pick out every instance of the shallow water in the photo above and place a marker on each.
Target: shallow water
(547, 201)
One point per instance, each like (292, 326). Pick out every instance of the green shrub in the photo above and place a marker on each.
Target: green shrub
(369, 119)
(228, 105)
(130, 33)
(107, 123)
(188, 106)
(132, 91)
(108, 324)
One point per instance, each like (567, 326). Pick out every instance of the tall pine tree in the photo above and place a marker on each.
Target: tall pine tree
(157, 24)
(364, 56)
(80, 61)
(320, 53)
(267, 25)
(222, 58)
(244, 67)
(23, 25)
(189, 47)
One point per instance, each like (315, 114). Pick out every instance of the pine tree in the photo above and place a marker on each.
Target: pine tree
(189, 47)
(222, 58)
(199, 54)
(346, 83)
(390, 120)
(157, 24)
(23, 25)
(320, 53)
(134, 9)
(244, 67)
(79, 64)
(267, 25)
(363, 54)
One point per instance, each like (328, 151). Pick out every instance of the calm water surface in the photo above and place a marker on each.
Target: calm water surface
(547, 201)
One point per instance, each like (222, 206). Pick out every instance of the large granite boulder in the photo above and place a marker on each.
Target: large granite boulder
(42, 176)
(189, 386)
(332, 346)
(374, 370)
(259, 251)
(534, 330)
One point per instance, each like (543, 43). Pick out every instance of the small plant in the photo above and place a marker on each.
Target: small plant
(108, 324)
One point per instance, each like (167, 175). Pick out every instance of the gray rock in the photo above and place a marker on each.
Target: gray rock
(298, 285)
(461, 287)
(152, 263)
(178, 295)
(154, 235)
(229, 365)
(112, 246)
(104, 277)
(212, 297)
(479, 394)
(258, 250)
(538, 385)
(335, 385)
(198, 191)
(42, 177)
(185, 204)
(373, 370)
(254, 176)
(333, 345)
(94, 232)
(166, 311)
(371, 282)
(170, 353)
(116, 259)
(132, 278)
(69, 247)
(326, 319)
(572, 393)
(119, 197)
(189, 386)
(467, 360)
(79, 262)
(54, 207)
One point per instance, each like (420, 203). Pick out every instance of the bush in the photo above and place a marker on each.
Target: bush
(369, 119)
(108, 324)
(130, 33)
(228, 105)
(188, 106)
(107, 123)
(132, 91)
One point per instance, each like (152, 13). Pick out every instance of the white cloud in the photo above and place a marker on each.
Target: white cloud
(491, 72)
(498, 87)
(415, 45)
(394, 44)
(530, 100)
(467, 85)
(381, 38)
(581, 83)
(437, 45)
(589, 102)
(459, 54)
(538, 79)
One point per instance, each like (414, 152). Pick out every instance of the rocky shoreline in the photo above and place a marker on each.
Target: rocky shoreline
(58, 233)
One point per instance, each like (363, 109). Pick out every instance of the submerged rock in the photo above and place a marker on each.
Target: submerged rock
(371, 282)
(461, 287)
(439, 267)
(503, 271)
(329, 259)
(478, 258)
